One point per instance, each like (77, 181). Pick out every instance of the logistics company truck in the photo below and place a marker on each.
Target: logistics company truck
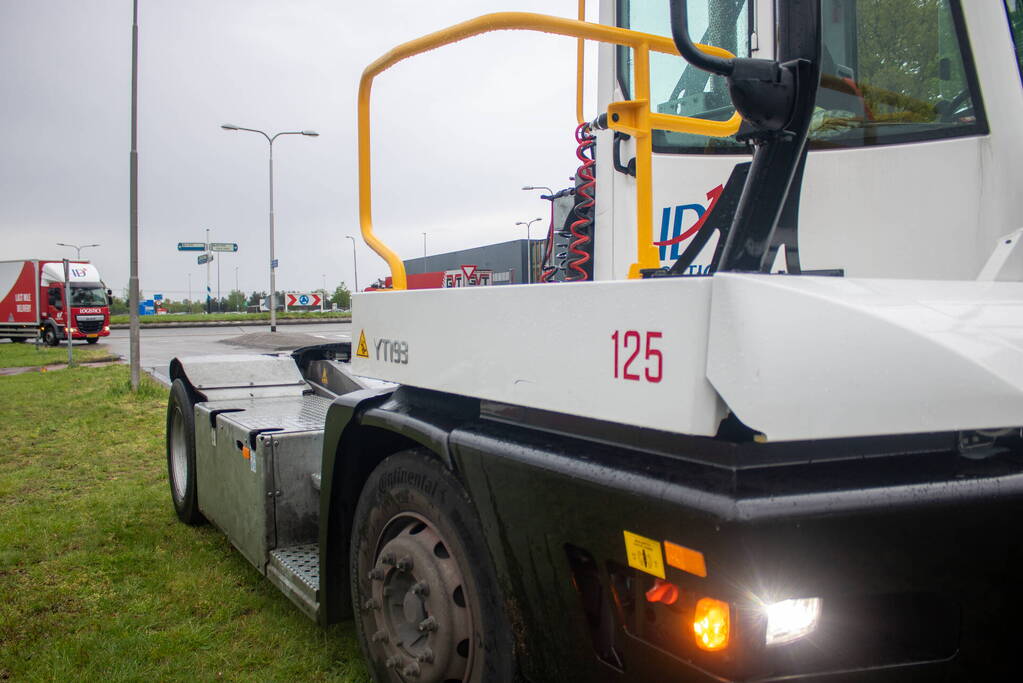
(32, 301)
(800, 459)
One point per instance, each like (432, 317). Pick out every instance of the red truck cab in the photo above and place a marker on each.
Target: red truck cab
(90, 302)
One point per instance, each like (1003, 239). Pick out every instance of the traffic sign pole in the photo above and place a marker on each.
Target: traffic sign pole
(208, 297)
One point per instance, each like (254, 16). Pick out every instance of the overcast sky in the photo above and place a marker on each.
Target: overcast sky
(457, 132)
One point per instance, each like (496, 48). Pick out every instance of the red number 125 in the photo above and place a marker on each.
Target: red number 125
(628, 344)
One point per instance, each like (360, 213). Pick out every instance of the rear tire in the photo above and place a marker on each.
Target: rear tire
(181, 454)
(417, 538)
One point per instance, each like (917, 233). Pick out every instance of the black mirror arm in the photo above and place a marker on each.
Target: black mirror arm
(687, 48)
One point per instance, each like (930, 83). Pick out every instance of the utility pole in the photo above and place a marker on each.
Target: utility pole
(424, 252)
(529, 249)
(133, 202)
(236, 286)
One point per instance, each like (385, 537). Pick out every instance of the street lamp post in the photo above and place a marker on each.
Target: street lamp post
(529, 249)
(273, 261)
(355, 263)
(424, 252)
(236, 288)
(78, 247)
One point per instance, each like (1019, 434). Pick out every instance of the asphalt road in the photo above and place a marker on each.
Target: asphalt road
(160, 346)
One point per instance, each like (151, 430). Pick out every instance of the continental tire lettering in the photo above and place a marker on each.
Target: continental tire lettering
(414, 480)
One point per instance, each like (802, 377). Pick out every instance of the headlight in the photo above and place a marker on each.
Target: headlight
(790, 620)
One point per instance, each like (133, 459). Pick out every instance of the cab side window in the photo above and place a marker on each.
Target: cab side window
(894, 71)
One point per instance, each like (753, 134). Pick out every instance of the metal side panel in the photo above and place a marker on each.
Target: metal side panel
(255, 461)
(235, 492)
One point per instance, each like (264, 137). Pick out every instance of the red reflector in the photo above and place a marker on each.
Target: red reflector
(662, 591)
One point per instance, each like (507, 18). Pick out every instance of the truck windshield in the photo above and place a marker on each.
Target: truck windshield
(88, 296)
(892, 71)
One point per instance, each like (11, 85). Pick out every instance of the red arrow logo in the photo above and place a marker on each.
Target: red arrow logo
(292, 299)
(316, 300)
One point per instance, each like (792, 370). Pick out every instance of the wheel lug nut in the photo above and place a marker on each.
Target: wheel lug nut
(427, 624)
(376, 574)
(371, 604)
(426, 656)
(379, 637)
(387, 559)
(422, 589)
(393, 662)
(411, 671)
(405, 564)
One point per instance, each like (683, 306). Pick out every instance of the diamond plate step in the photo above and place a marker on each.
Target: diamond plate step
(296, 571)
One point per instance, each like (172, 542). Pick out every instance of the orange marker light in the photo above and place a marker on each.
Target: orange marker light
(246, 453)
(710, 624)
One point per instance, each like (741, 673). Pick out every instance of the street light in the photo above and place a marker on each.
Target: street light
(355, 262)
(273, 261)
(424, 252)
(529, 249)
(78, 247)
(538, 187)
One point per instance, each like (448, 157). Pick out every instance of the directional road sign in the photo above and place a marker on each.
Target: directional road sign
(273, 264)
(191, 246)
(303, 299)
(223, 246)
(205, 258)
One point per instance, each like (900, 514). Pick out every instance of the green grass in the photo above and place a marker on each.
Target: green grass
(232, 317)
(98, 579)
(27, 355)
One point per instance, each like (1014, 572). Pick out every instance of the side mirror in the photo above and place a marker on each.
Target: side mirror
(110, 298)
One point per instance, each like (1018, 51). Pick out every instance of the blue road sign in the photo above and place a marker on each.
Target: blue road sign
(273, 264)
(204, 258)
(191, 246)
(158, 297)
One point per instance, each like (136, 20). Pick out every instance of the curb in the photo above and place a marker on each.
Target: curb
(233, 323)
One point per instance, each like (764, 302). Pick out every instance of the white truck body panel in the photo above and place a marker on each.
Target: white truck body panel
(550, 347)
(819, 357)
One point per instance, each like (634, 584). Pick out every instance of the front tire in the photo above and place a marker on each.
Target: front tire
(181, 454)
(428, 606)
(92, 340)
(50, 337)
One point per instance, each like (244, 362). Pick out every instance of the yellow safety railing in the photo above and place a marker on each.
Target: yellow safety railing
(632, 116)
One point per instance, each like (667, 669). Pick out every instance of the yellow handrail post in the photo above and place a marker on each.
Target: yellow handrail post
(633, 116)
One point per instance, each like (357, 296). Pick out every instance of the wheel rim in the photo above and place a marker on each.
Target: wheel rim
(179, 455)
(421, 624)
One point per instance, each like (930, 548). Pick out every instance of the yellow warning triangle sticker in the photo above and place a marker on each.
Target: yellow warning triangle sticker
(362, 351)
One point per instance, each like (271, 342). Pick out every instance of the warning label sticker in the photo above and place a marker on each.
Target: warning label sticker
(644, 554)
(362, 350)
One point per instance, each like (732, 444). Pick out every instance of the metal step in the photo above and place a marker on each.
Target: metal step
(296, 571)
